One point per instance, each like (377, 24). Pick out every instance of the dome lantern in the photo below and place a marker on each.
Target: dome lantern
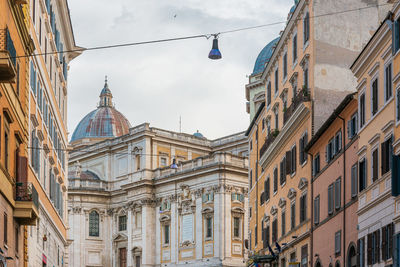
(105, 95)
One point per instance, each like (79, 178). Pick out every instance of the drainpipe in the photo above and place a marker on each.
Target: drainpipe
(312, 213)
(344, 189)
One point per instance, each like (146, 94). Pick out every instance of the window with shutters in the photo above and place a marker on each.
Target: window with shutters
(283, 222)
(330, 199)
(276, 112)
(398, 105)
(316, 210)
(283, 171)
(316, 164)
(337, 193)
(293, 215)
(94, 223)
(294, 47)
(386, 150)
(293, 160)
(269, 94)
(396, 36)
(5, 230)
(374, 96)
(262, 198)
(362, 174)
(306, 28)
(388, 82)
(305, 77)
(329, 152)
(338, 142)
(302, 153)
(276, 81)
(374, 164)
(255, 236)
(361, 108)
(352, 126)
(303, 208)
(338, 242)
(274, 230)
(267, 189)
(275, 180)
(284, 66)
(251, 179)
(354, 180)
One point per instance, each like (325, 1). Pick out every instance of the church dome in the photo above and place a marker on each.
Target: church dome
(103, 122)
(264, 56)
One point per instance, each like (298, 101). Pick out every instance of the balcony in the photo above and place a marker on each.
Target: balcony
(268, 141)
(302, 96)
(26, 196)
(7, 57)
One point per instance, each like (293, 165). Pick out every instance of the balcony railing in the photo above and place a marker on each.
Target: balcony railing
(7, 57)
(302, 96)
(268, 141)
(27, 192)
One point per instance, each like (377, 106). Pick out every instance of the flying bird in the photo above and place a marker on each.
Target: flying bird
(175, 16)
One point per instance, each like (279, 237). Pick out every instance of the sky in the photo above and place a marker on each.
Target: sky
(159, 83)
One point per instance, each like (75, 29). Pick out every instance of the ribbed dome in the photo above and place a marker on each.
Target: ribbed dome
(264, 56)
(103, 122)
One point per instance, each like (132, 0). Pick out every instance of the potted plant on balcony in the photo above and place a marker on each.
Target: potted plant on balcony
(275, 132)
(305, 90)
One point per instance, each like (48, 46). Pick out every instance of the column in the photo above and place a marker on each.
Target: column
(199, 226)
(174, 232)
(217, 224)
(129, 248)
(148, 235)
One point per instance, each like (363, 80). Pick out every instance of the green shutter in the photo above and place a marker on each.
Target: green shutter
(395, 175)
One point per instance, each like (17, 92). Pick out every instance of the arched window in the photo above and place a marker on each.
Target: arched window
(337, 264)
(93, 223)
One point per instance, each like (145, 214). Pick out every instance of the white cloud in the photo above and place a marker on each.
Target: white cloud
(159, 82)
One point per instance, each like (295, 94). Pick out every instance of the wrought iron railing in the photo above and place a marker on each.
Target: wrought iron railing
(268, 141)
(26, 191)
(302, 96)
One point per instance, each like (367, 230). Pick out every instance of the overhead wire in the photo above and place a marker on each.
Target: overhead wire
(207, 36)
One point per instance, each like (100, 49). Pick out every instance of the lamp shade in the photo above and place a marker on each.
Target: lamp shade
(215, 53)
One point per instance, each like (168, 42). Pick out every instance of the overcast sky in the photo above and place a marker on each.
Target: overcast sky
(157, 83)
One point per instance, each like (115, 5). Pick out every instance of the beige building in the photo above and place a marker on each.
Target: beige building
(305, 79)
(143, 196)
(51, 31)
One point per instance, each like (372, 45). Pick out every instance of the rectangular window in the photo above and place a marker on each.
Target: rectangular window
(398, 105)
(330, 199)
(266, 189)
(338, 142)
(316, 165)
(269, 94)
(354, 180)
(304, 256)
(163, 162)
(5, 222)
(386, 160)
(6, 147)
(274, 230)
(316, 210)
(305, 77)
(16, 239)
(337, 242)
(330, 150)
(294, 47)
(374, 100)
(122, 223)
(283, 171)
(375, 165)
(276, 118)
(293, 160)
(236, 227)
(293, 215)
(303, 143)
(388, 82)
(352, 126)
(283, 222)
(362, 174)
(251, 178)
(303, 208)
(209, 225)
(275, 180)
(361, 104)
(166, 234)
(276, 81)
(395, 36)
(285, 66)
(306, 27)
(337, 193)
(255, 236)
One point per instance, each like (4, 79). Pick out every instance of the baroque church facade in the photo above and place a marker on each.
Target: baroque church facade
(143, 196)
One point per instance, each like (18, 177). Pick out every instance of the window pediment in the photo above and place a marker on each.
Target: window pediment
(291, 193)
(302, 183)
(273, 210)
(238, 210)
(282, 202)
(208, 210)
(120, 237)
(165, 218)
